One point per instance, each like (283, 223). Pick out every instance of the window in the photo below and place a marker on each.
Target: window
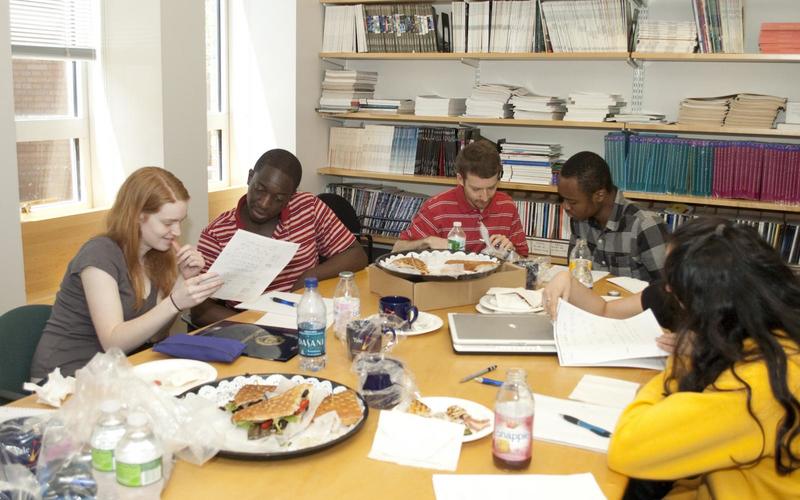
(51, 42)
(217, 92)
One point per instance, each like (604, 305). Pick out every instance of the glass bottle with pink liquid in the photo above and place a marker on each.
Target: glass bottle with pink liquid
(512, 440)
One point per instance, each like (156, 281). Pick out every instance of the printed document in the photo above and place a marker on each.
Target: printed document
(249, 263)
(584, 339)
(539, 486)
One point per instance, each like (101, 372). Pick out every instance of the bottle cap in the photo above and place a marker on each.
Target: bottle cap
(311, 282)
(457, 224)
(346, 274)
(110, 406)
(137, 419)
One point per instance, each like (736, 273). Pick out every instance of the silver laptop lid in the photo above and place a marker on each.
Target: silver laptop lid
(501, 329)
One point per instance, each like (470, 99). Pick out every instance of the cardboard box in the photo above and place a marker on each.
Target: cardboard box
(428, 295)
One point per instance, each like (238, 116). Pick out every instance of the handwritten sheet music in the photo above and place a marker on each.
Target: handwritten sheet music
(249, 263)
(584, 339)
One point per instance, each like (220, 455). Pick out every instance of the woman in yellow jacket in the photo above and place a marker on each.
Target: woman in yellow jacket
(723, 420)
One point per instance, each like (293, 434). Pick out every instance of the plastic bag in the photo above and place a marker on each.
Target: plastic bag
(19, 447)
(64, 470)
(491, 250)
(373, 334)
(383, 381)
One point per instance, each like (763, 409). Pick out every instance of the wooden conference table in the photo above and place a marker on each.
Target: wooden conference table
(345, 472)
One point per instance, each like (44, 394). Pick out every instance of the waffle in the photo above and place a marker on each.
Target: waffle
(417, 407)
(345, 404)
(472, 265)
(252, 393)
(413, 263)
(279, 406)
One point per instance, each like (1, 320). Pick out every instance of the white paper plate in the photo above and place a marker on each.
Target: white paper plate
(476, 410)
(485, 310)
(490, 302)
(425, 323)
(175, 376)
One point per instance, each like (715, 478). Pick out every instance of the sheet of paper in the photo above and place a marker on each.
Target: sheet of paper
(249, 263)
(584, 339)
(554, 270)
(280, 314)
(632, 285)
(548, 425)
(9, 412)
(408, 439)
(539, 486)
(604, 391)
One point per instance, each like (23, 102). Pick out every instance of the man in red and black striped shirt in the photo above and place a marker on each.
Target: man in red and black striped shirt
(272, 207)
(474, 201)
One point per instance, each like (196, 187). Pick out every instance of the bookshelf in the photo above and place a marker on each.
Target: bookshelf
(480, 56)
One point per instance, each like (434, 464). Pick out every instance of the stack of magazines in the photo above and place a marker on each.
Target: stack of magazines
(492, 100)
(434, 105)
(538, 107)
(341, 87)
(592, 106)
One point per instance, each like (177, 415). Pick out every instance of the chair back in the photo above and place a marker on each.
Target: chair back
(347, 214)
(20, 331)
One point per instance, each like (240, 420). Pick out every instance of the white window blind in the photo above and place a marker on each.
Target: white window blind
(52, 29)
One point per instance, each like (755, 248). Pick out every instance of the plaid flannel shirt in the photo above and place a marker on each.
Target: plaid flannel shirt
(631, 244)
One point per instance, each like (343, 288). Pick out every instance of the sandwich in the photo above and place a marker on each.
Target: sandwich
(459, 415)
(345, 404)
(411, 263)
(273, 415)
(473, 265)
(249, 395)
(417, 407)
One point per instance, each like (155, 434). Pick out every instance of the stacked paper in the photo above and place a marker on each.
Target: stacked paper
(341, 87)
(434, 105)
(492, 100)
(638, 118)
(779, 38)
(792, 117)
(753, 110)
(388, 106)
(538, 107)
(529, 163)
(344, 29)
(667, 36)
(708, 111)
(592, 106)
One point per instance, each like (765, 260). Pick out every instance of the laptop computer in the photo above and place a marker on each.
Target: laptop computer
(505, 333)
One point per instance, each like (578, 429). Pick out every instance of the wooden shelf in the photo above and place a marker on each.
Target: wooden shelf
(483, 56)
(462, 120)
(662, 56)
(536, 188)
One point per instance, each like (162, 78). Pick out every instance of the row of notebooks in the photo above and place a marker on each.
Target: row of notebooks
(722, 169)
(399, 27)
(383, 210)
(544, 218)
(719, 25)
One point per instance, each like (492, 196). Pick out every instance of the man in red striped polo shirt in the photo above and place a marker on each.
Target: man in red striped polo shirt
(475, 200)
(272, 207)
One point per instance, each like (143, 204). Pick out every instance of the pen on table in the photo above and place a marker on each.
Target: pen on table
(284, 302)
(586, 425)
(488, 381)
(479, 373)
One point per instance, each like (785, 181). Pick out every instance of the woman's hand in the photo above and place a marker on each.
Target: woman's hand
(190, 260)
(558, 288)
(193, 291)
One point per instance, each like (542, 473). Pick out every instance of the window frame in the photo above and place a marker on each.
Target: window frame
(219, 120)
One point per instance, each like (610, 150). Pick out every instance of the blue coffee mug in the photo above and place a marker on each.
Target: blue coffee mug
(400, 307)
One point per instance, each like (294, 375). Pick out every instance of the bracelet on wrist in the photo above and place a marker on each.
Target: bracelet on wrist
(174, 304)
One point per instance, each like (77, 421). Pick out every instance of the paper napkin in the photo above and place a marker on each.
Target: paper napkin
(55, 390)
(408, 439)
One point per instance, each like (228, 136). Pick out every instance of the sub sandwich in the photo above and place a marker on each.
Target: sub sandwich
(273, 415)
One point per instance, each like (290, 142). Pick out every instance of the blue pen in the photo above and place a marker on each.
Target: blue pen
(488, 381)
(586, 425)
(284, 302)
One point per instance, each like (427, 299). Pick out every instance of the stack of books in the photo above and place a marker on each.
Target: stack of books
(383, 210)
(492, 101)
(779, 38)
(341, 87)
(791, 118)
(666, 36)
(434, 105)
(704, 111)
(753, 110)
(587, 26)
(528, 162)
(344, 29)
(592, 106)
(638, 118)
(538, 107)
(719, 25)
(387, 106)
(400, 27)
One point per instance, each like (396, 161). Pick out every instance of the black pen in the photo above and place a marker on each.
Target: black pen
(478, 373)
(284, 302)
(586, 425)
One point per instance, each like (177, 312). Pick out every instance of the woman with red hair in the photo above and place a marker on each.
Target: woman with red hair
(126, 286)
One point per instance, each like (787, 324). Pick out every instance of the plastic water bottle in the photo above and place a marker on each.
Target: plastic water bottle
(580, 263)
(107, 433)
(139, 457)
(456, 238)
(311, 320)
(512, 443)
(346, 303)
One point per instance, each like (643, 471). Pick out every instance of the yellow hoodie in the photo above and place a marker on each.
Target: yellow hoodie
(707, 436)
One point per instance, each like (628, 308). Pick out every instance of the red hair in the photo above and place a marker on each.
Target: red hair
(143, 193)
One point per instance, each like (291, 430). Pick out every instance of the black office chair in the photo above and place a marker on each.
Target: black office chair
(347, 214)
(20, 331)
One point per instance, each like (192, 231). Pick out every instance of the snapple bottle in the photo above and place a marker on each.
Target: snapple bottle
(513, 423)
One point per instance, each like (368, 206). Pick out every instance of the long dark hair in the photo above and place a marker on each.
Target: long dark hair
(733, 288)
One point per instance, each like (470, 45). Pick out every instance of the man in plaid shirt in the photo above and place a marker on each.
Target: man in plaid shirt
(624, 239)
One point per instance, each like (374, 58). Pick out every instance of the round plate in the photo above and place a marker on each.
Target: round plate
(425, 323)
(175, 376)
(485, 310)
(384, 262)
(476, 410)
(224, 389)
(490, 302)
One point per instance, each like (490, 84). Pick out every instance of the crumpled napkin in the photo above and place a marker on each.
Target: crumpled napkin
(408, 439)
(55, 390)
(516, 298)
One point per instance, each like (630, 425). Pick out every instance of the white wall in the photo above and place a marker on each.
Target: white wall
(12, 293)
